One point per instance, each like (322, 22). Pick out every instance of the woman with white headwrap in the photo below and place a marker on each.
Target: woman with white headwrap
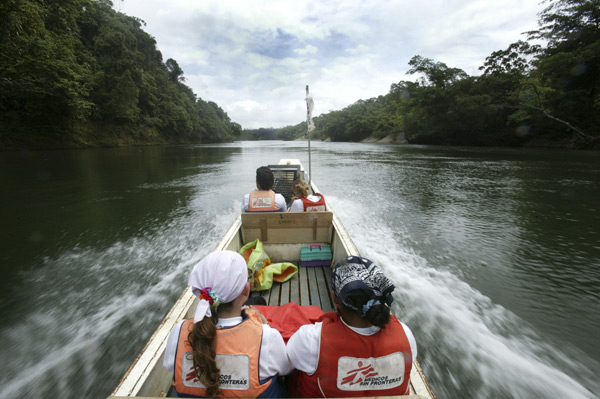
(227, 349)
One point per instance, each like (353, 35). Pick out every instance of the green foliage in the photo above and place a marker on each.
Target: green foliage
(75, 72)
(175, 72)
(261, 134)
(437, 74)
(513, 60)
(567, 76)
(292, 132)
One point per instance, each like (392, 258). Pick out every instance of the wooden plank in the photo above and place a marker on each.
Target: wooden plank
(321, 288)
(295, 287)
(304, 288)
(324, 279)
(263, 229)
(284, 295)
(266, 295)
(287, 227)
(274, 298)
(312, 287)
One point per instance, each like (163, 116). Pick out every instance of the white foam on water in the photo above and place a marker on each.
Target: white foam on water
(471, 347)
(92, 304)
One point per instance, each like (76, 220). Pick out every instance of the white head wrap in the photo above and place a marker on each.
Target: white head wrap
(224, 272)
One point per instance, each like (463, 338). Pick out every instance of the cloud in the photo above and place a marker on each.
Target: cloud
(254, 58)
(308, 50)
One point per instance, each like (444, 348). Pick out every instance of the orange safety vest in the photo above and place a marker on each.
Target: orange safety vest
(310, 206)
(351, 364)
(262, 201)
(238, 355)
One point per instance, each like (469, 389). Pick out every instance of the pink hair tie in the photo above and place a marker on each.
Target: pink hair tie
(211, 296)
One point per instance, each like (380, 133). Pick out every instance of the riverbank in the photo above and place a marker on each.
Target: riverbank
(99, 135)
(538, 142)
(399, 139)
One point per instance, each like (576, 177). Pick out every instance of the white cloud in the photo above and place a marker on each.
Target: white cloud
(255, 57)
(307, 50)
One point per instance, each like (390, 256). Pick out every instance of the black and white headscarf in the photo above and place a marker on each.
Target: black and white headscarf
(359, 276)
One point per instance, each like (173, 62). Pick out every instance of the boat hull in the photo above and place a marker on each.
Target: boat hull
(283, 235)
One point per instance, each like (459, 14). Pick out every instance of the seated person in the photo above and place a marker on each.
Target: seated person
(361, 350)
(226, 349)
(302, 202)
(264, 199)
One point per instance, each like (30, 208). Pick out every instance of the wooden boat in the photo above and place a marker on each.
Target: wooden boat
(283, 235)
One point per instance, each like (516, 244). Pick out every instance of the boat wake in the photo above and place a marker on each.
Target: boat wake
(468, 346)
(94, 309)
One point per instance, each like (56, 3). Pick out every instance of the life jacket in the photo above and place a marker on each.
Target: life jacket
(262, 201)
(351, 364)
(310, 206)
(238, 355)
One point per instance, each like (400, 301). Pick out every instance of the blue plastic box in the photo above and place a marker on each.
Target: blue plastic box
(315, 255)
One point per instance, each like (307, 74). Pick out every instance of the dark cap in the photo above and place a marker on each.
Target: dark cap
(356, 276)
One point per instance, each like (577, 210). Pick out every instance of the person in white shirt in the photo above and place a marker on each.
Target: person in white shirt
(264, 199)
(360, 350)
(247, 354)
(303, 202)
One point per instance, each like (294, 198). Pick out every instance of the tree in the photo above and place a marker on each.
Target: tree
(77, 72)
(568, 24)
(175, 72)
(436, 73)
(564, 87)
(42, 77)
(515, 59)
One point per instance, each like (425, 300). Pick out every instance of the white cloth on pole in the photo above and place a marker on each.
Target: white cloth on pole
(309, 109)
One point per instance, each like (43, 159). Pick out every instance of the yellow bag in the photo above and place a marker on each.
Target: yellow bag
(261, 272)
(257, 259)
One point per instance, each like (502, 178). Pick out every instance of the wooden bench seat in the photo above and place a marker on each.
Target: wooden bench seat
(287, 227)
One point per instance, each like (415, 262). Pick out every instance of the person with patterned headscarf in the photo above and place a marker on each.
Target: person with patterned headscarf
(227, 349)
(360, 350)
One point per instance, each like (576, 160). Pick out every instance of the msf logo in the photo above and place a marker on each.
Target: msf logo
(191, 376)
(358, 375)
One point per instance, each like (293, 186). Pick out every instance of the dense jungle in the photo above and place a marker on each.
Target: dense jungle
(77, 73)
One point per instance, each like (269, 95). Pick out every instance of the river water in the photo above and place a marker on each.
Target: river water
(495, 254)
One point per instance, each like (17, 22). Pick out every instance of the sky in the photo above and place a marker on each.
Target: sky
(254, 58)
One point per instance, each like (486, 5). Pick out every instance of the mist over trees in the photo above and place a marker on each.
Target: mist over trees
(540, 92)
(78, 73)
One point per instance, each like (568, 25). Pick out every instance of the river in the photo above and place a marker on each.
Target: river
(495, 254)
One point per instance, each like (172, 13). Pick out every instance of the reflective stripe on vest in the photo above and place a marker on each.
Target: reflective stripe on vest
(351, 364)
(262, 201)
(238, 355)
(310, 206)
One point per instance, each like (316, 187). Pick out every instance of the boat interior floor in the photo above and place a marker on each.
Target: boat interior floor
(310, 286)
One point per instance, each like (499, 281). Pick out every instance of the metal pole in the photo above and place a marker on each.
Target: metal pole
(308, 131)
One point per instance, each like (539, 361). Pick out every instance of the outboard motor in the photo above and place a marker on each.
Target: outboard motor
(284, 177)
